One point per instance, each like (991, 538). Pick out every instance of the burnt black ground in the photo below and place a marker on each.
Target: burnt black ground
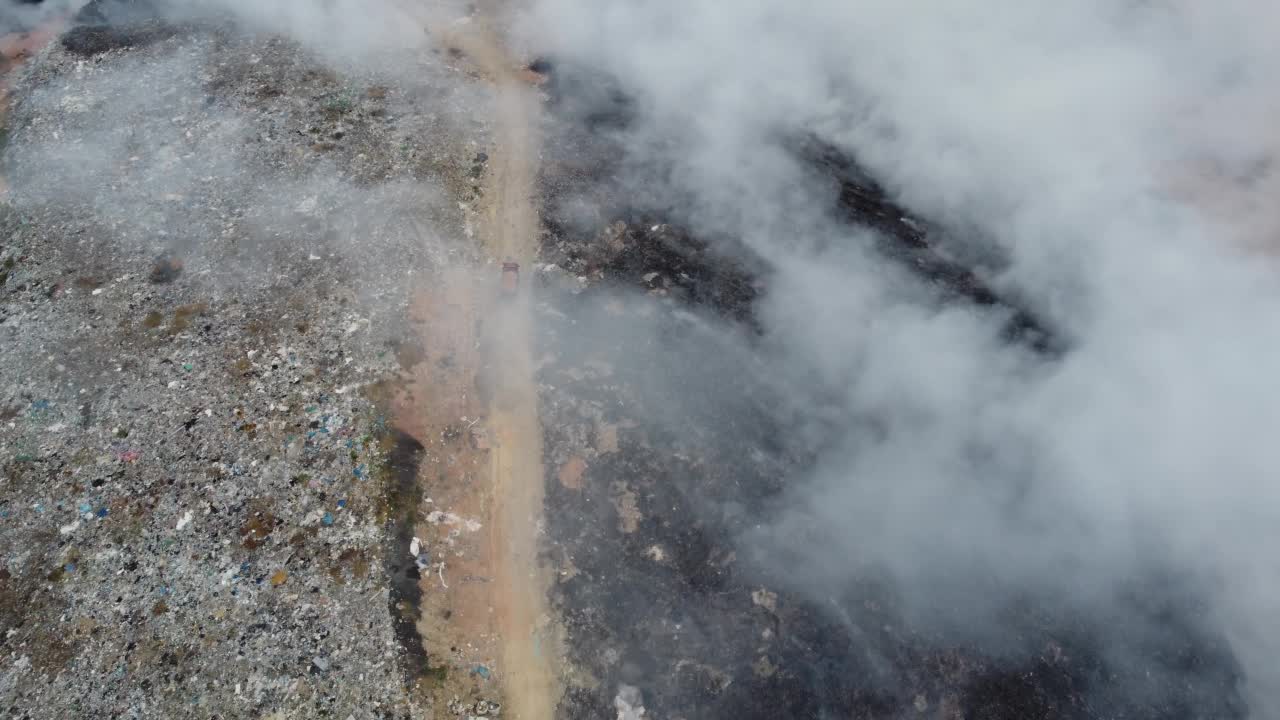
(404, 599)
(674, 606)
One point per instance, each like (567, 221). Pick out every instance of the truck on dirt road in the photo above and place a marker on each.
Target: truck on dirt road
(510, 278)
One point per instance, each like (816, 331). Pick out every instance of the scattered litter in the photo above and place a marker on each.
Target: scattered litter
(68, 529)
(102, 512)
(279, 577)
(481, 670)
(184, 521)
(440, 568)
(327, 519)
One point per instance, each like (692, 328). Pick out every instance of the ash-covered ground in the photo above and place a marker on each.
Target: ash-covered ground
(207, 252)
(669, 439)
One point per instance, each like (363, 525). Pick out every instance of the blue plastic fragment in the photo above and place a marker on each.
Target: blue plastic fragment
(482, 671)
(358, 471)
(86, 507)
(70, 567)
(102, 512)
(327, 519)
(342, 503)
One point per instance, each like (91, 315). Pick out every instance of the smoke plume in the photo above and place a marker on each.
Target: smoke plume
(1117, 159)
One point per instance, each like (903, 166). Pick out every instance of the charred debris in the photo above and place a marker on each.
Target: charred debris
(599, 111)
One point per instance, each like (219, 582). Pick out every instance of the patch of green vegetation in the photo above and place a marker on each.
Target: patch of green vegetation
(437, 675)
(339, 103)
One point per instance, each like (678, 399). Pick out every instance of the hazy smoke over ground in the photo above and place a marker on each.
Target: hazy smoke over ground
(247, 148)
(1120, 157)
(23, 17)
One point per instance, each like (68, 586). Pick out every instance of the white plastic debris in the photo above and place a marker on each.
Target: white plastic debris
(629, 703)
(420, 559)
(436, 517)
(184, 521)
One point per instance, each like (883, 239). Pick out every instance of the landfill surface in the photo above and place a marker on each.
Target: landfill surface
(230, 264)
(195, 316)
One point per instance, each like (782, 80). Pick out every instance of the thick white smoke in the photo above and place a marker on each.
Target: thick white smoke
(1121, 155)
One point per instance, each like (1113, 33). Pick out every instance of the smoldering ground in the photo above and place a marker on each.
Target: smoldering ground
(1085, 149)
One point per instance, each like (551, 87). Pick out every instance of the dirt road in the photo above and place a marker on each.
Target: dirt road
(502, 622)
(528, 632)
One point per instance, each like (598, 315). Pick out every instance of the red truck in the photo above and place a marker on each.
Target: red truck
(510, 278)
